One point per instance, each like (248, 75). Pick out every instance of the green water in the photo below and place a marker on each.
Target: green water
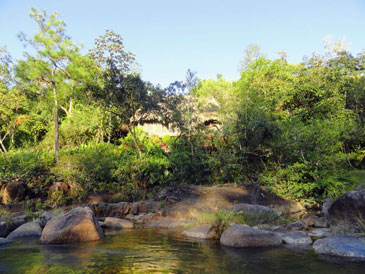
(150, 251)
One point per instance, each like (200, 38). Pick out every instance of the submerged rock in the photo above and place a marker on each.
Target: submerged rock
(201, 232)
(347, 214)
(344, 246)
(77, 225)
(245, 236)
(116, 223)
(296, 238)
(32, 229)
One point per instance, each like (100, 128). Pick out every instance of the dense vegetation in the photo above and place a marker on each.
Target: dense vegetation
(297, 129)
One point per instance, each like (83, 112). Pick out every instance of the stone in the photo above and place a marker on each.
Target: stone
(250, 209)
(17, 219)
(308, 220)
(321, 222)
(245, 236)
(77, 225)
(14, 191)
(117, 223)
(326, 205)
(94, 199)
(320, 233)
(166, 222)
(44, 218)
(296, 238)
(27, 230)
(344, 246)
(4, 229)
(4, 241)
(347, 214)
(118, 210)
(60, 187)
(296, 226)
(201, 232)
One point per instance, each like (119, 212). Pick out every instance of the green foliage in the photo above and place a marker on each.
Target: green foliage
(24, 164)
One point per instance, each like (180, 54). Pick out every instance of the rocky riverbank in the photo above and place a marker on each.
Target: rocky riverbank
(243, 216)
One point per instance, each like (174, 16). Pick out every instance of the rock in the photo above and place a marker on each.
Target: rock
(117, 223)
(94, 199)
(250, 209)
(44, 218)
(308, 220)
(344, 246)
(4, 241)
(102, 224)
(296, 226)
(4, 229)
(321, 222)
(296, 238)
(347, 214)
(17, 219)
(326, 205)
(166, 223)
(118, 210)
(32, 229)
(14, 191)
(320, 233)
(77, 225)
(201, 232)
(148, 206)
(245, 236)
(60, 187)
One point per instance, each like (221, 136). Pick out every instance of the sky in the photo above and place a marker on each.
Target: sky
(169, 37)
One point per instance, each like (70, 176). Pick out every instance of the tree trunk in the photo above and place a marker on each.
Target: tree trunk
(2, 145)
(133, 132)
(56, 148)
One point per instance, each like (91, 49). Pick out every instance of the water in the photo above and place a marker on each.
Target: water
(151, 251)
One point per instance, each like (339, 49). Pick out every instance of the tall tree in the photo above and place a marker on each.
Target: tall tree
(46, 73)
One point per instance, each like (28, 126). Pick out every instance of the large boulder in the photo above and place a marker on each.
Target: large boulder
(344, 246)
(253, 210)
(77, 225)
(245, 236)
(298, 238)
(347, 214)
(201, 232)
(116, 223)
(32, 229)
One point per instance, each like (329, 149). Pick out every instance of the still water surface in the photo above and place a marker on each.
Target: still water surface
(151, 251)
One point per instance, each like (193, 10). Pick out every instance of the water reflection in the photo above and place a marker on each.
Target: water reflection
(151, 251)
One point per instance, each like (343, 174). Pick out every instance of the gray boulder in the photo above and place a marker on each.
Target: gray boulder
(344, 246)
(116, 223)
(320, 233)
(245, 236)
(347, 214)
(32, 229)
(296, 238)
(201, 232)
(77, 225)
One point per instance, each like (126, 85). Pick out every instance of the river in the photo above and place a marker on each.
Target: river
(152, 251)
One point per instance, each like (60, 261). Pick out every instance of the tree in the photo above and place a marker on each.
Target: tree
(46, 74)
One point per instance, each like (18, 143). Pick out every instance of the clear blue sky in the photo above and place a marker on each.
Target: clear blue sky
(207, 36)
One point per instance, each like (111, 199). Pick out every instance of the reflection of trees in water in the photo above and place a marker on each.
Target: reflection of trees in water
(151, 251)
